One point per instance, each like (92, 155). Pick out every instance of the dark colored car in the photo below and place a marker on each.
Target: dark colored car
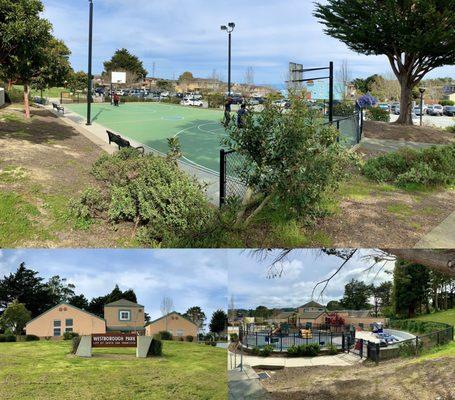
(449, 110)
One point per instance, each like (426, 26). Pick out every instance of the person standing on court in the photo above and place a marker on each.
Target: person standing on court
(227, 111)
(240, 115)
(116, 99)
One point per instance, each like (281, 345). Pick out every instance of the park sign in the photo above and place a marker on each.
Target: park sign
(114, 340)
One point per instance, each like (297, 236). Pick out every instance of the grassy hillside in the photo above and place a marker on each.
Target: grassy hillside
(447, 317)
(46, 370)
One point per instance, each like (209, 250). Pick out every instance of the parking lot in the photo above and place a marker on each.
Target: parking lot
(430, 120)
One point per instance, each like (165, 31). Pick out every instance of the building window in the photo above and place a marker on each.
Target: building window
(69, 322)
(57, 331)
(179, 332)
(124, 315)
(69, 330)
(57, 323)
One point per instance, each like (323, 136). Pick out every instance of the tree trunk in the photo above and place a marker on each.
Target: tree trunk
(26, 103)
(442, 261)
(405, 102)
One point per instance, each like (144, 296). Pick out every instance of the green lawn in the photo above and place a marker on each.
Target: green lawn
(47, 370)
(447, 317)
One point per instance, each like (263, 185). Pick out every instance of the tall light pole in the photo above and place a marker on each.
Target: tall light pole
(422, 91)
(89, 80)
(229, 28)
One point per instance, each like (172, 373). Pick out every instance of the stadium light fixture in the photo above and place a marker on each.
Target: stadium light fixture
(229, 29)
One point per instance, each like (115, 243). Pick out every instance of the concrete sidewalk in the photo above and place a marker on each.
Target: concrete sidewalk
(340, 360)
(388, 145)
(441, 237)
(245, 385)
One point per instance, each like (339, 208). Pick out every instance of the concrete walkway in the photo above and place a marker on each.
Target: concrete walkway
(245, 385)
(388, 145)
(97, 134)
(340, 360)
(441, 237)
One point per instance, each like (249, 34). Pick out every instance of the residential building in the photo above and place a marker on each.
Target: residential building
(174, 323)
(124, 316)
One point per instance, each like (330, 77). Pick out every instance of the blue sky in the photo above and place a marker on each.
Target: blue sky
(189, 277)
(251, 286)
(181, 35)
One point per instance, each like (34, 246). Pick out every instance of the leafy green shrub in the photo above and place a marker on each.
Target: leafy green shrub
(89, 205)
(234, 337)
(309, 350)
(451, 129)
(189, 338)
(70, 335)
(165, 335)
(75, 341)
(293, 351)
(2, 338)
(288, 159)
(332, 349)
(255, 351)
(31, 338)
(344, 109)
(156, 348)
(170, 100)
(378, 114)
(409, 348)
(431, 166)
(447, 103)
(14, 95)
(266, 350)
(165, 203)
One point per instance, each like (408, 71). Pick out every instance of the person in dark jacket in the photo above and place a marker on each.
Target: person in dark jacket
(240, 115)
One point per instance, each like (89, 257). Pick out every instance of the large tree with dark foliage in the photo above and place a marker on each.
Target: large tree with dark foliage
(27, 288)
(124, 61)
(218, 322)
(96, 305)
(356, 295)
(416, 36)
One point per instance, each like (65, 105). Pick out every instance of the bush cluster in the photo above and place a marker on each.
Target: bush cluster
(31, 338)
(431, 166)
(409, 348)
(70, 335)
(451, 129)
(304, 350)
(210, 343)
(14, 95)
(263, 352)
(417, 326)
(189, 338)
(156, 348)
(378, 114)
(234, 337)
(344, 109)
(447, 103)
(8, 338)
(164, 203)
(164, 335)
(215, 100)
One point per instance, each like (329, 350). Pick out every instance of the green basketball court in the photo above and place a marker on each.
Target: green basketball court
(200, 130)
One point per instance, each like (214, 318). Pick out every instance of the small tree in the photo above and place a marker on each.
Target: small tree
(166, 307)
(218, 322)
(196, 315)
(77, 81)
(288, 158)
(416, 36)
(15, 317)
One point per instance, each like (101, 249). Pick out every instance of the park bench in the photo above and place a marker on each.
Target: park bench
(120, 142)
(57, 107)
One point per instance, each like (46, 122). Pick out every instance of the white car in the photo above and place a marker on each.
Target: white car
(192, 102)
(437, 109)
(283, 103)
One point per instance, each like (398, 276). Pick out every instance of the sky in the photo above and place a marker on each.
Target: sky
(189, 277)
(250, 284)
(180, 35)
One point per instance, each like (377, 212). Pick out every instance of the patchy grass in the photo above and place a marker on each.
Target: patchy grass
(447, 317)
(47, 370)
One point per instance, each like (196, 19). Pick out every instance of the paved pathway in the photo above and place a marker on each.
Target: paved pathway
(388, 145)
(245, 385)
(97, 134)
(442, 237)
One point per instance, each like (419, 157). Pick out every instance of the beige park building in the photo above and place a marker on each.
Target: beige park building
(119, 316)
(174, 323)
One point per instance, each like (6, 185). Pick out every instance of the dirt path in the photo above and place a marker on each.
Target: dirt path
(392, 380)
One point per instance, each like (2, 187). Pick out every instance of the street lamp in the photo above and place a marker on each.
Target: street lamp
(422, 91)
(89, 80)
(229, 28)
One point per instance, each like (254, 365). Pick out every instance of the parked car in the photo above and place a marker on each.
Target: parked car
(252, 101)
(396, 110)
(384, 106)
(192, 102)
(436, 109)
(417, 110)
(449, 110)
(283, 103)
(393, 107)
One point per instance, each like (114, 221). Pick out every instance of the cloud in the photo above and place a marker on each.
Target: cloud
(181, 35)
